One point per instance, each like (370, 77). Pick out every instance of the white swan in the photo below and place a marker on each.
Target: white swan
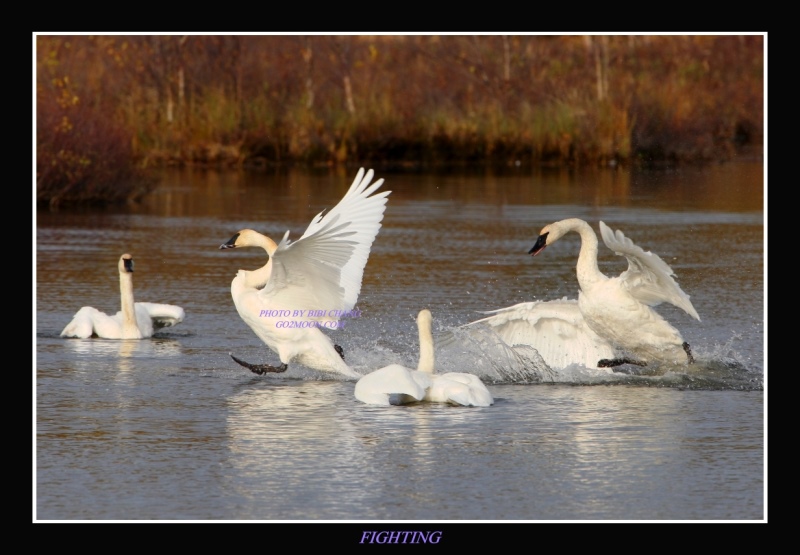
(134, 321)
(310, 283)
(618, 309)
(396, 384)
(556, 329)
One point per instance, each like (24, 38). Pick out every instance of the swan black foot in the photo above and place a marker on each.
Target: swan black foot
(339, 350)
(611, 362)
(688, 350)
(261, 369)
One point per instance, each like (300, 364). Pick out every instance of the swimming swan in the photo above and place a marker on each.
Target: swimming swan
(618, 309)
(556, 329)
(310, 283)
(134, 321)
(396, 384)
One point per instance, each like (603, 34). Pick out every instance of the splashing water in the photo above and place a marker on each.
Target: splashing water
(480, 351)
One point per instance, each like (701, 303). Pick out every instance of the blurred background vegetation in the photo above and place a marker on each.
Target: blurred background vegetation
(111, 107)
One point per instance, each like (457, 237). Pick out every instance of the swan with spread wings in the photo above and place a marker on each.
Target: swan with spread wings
(134, 320)
(613, 321)
(312, 283)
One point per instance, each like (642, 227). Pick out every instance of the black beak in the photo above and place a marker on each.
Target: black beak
(541, 243)
(230, 243)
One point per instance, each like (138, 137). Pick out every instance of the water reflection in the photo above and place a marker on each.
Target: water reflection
(728, 187)
(124, 349)
(357, 458)
(302, 422)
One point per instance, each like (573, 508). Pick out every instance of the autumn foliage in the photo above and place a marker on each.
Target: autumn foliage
(108, 106)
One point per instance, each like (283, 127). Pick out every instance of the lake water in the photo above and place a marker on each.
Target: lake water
(171, 429)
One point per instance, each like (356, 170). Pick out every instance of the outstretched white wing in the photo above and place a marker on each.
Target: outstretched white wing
(150, 317)
(556, 329)
(86, 320)
(648, 278)
(161, 315)
(323, 269)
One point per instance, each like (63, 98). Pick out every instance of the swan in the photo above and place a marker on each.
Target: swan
(619, 309)
(310, 283)
(396, 384)
(134, 321)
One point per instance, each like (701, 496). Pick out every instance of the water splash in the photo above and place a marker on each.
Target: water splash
(482, 352)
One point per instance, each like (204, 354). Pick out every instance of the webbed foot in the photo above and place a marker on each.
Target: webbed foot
(260, 369)
(339, 350)
(611, 362)
(688, 350)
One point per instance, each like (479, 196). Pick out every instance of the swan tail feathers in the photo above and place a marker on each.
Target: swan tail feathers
(459, 388)
(392, 383)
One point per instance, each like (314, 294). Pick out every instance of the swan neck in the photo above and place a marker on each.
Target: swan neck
(255, 239)
(426, 357)
(587, 270)
(269, 245)
(126, 300)
(259, 278)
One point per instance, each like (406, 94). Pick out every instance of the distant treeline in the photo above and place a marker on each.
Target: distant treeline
(110, 106)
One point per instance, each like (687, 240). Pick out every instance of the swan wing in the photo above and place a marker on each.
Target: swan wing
(648, 278)
(306, 275)
(82, 324)
(89, 321)
(160, 315)
(556, 329)
(392, 382)
(324, 268)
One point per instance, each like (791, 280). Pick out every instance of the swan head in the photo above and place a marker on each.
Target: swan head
(249, 238)
(549, 234)
(236, 241)
(424, 319)
(126, 264)
(552, 233)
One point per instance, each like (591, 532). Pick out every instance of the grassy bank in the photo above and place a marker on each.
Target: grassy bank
(108, 107)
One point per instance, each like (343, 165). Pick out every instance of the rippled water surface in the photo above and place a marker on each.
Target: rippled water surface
(170, 428)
